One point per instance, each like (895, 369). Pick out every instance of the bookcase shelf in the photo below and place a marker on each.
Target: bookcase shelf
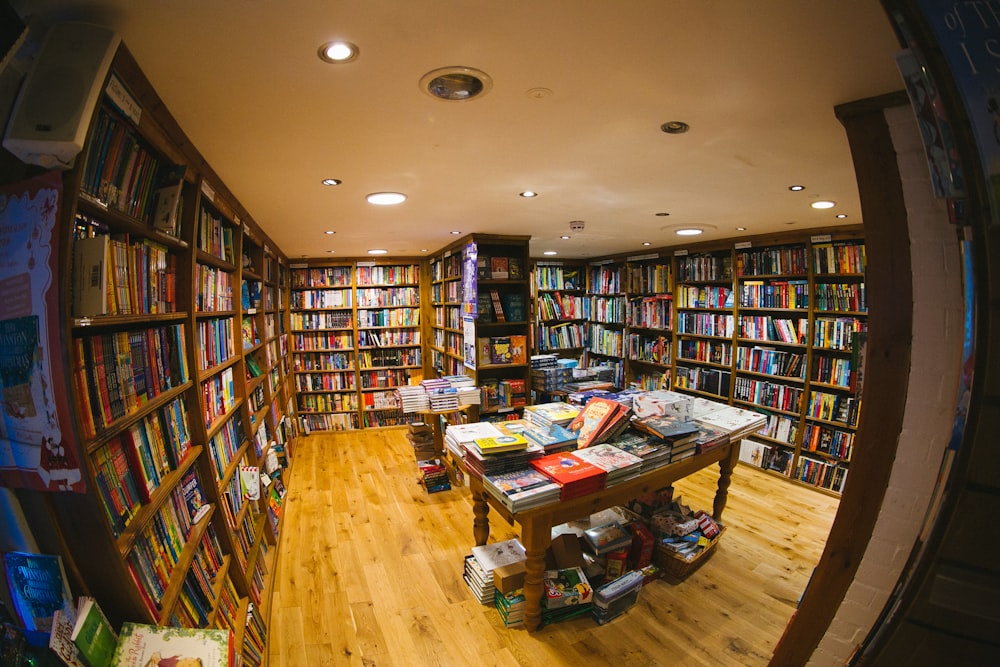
(151, 341)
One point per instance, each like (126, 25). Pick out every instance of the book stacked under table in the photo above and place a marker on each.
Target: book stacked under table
(433, 475)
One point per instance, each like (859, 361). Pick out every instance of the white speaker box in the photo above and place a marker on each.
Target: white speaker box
(49, 121)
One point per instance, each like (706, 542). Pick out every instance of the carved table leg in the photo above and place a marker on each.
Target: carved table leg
(480, 513)
(726, 465)
(537, 536)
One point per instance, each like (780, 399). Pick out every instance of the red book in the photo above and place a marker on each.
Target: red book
(596, 420)
(574, 475)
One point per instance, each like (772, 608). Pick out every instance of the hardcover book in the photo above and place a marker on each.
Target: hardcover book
(92, 634)
(596, 420)
(499, 268)
(502, 443)
(497, 554)
(142, 645)
(38, 587)
(667, 427)
(576, 476)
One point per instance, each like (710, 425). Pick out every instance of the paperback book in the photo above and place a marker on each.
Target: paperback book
(142, 645)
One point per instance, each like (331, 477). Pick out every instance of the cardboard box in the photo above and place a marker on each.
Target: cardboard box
(510, 577)
(566, 551)
(614, 598)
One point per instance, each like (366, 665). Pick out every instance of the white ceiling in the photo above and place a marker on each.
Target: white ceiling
(756, 80)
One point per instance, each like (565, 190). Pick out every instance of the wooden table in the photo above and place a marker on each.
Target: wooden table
(536, 523)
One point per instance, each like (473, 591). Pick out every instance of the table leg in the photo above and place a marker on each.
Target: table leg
(726, 465)
(537, 536)
(480, 513)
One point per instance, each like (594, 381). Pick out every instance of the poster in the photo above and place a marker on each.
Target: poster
(37, 446)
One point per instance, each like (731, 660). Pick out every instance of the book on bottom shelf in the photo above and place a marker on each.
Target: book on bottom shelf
(142, 645)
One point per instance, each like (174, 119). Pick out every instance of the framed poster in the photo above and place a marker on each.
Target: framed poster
(38, 449)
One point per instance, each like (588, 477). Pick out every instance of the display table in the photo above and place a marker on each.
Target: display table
(433, 417)
(537, 522)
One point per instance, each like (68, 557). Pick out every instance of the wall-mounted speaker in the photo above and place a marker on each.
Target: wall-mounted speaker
(49, 121)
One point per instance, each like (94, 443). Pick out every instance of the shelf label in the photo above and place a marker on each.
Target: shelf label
(680, 253)
(366, 264)
(208, 191)
(548, 263)
(742, 245)
(636, 258)
(119, 96)
(298, 266)
(820, 238)
(602, 262)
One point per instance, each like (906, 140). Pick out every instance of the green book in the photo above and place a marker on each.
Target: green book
(93, 635)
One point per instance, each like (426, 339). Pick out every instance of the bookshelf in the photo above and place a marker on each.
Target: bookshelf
(704, 323)
(561, 308)
(159, 382)
(481, 283)
(648, 321)
(606, 328)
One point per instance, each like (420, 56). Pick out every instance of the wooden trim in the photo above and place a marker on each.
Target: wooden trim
(890, 294)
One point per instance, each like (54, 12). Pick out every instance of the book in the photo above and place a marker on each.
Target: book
(735, 421)
(498, 554)
(90, 276)
(595, 420)
(501, 443)
(166, 199)
(38, 587)
(498, 313)
(61, 639)
(574, 475)
(514, 270)
(513, 306)
(667, 427)
(194, 497)
(141, 645)
(499, 268)
(500, 352)
(92, 634)
(250, 482)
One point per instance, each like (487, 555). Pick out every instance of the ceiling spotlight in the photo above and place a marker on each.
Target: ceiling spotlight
(329, 231)
(841, 216)
(377, 251)
(675, 127)
(338, 52)
(455, 232)
(741, 229)
(646, 243)
(688, 231)
(331, 181)
(564, 237)
(550, 252)
(796, 188)
(386, 198)
(529, 194)
(823, 203)
(331, 251)
(456, 84)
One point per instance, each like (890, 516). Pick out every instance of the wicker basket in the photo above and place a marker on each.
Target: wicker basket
(677, 567)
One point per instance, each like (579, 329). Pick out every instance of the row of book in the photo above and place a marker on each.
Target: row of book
(388, 338)
(323, 321)
(780, 329)
(709, 351)
(391, 356)
(213, 290)
(215, 341)
(787, 260)
(792, 294)
(650, 312)
(768, 394)
(322, 298)
(703, 296)
(327, 276)
(389, 317)
(116, 373)
(313, 403)
(215, 236)
(405, 274)
(705, 324)
(562, 306)
(770, 361)
(331, 381)
(387, 296)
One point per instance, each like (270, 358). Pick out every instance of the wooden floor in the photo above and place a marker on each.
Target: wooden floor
(370, 573)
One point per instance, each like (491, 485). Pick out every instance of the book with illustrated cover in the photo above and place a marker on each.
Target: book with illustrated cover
(667, 427)
(498, 554)
(502, 443)
(250, 482)
(61, 639)
(567, 587)
(574, 475)
(194, 497)
(517, 480)
(611, 459)
(38, 587)
(514, 270)
(499, 268)
(142, 645)
(500, 352)
(710, 438)
(551, 436)
(596, 419)
(92, 634)
(732, 420)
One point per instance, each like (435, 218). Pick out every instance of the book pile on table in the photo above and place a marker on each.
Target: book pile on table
(681, 434)
(486, 558)
(421, 437)
(456, 436)
(599, 420)
(413, 398)
(440, 394)
(521, 489)
(551, 438)
(575, 476)
(546, 414)
(653, 451)
(467, 391)
(619, 464)
(433, 475)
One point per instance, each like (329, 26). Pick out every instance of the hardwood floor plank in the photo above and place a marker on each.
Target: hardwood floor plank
(370, 573)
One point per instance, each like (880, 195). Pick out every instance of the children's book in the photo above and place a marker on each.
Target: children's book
(596, 420)
(38, 587)
(142, 645)
(61, 639)
(92, 634)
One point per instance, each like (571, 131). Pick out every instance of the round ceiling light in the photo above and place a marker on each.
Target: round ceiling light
(456, 84)
(689, 231)
(675, 127)
(338, 52)
(823, 203)
(386, 198)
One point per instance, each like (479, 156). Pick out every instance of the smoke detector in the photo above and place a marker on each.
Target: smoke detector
(576, 226)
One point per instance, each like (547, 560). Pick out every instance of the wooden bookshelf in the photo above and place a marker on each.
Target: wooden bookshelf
(648, 320)
(163, 407)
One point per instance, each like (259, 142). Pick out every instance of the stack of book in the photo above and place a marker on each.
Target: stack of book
(433, 475)
(551, 438)
(546, 414)
(653, 451)
(511, 607)
(710, 438)
(421, 437)
(619, 464)
(413, 398)
(456, 436)
(682, 435)
(486, 558)
(467, 391)
(575, 476)
(507, 442)
(599, 420)
(521, 489)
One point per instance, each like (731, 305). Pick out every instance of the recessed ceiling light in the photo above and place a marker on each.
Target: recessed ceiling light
(662, 214)
(796, 188)
(423, 250)
(688, 231)
(529, 194)
(455, 233)
(377, 251)
(646, 243)
(386, 198)
(823, 203)
(331, 251)
(675, 127)
(329, 231)
(564, 237)
(332, 181)
(338, 52)
(550, 252)
(456, 84)
(841, 216)
(741, 229)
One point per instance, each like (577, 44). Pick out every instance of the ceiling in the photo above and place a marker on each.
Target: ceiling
(580, 91)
